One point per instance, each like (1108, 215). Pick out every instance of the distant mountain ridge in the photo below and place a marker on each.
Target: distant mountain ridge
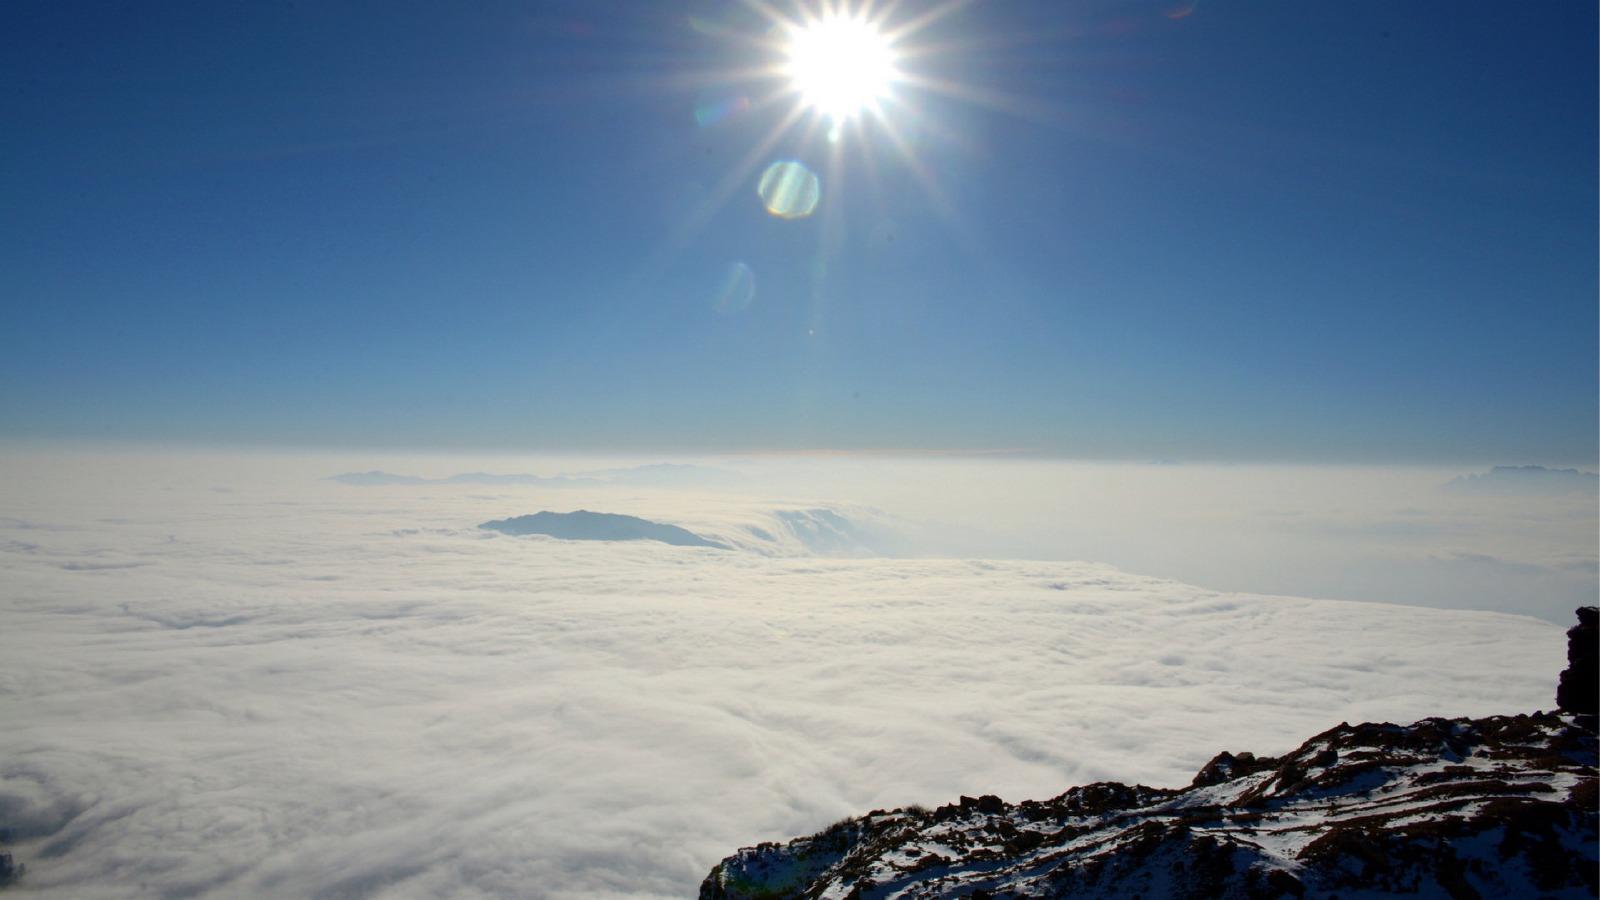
(583, 525)
(784, 531)
(1533, 480)
(651, 475)
(1503, 806)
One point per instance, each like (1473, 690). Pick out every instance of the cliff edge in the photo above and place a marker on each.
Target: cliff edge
(1503, 806)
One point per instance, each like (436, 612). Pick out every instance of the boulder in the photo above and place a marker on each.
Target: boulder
(1577, 690)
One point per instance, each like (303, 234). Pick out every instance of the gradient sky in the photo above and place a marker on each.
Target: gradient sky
(1343, 231)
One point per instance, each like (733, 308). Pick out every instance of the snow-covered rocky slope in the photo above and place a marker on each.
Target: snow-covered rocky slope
(1503, 806)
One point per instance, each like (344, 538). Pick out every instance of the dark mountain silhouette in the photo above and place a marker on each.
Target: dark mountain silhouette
(1579, 688)
(584, 525)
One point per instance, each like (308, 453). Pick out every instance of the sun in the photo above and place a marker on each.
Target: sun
(841, 65)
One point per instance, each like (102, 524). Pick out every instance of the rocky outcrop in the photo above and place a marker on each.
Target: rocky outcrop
(1580, 683)
(1503, 806)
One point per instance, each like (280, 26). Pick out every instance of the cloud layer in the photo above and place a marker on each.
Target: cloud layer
(299, 688)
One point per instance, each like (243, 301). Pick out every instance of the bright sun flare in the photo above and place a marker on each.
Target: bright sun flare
(840, 65)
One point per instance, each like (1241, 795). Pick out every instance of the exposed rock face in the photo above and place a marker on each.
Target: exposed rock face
(1504, 806)
(1580, 683)
(1496, 807)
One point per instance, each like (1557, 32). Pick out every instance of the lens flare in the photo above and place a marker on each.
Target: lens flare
(736, 290)
(714, 108)
(837, 82)
(789, 190)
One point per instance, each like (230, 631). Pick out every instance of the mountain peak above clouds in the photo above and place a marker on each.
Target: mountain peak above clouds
(584, 525)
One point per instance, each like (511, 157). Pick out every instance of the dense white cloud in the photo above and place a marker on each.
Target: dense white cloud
(301, 688)
(1399, 535)
(1396, 535)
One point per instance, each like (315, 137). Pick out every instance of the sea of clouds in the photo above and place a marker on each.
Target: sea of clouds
(231, 676)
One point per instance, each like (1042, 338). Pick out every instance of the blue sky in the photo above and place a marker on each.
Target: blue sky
(1230, 231)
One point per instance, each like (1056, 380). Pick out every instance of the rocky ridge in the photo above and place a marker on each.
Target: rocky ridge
(1503, 806)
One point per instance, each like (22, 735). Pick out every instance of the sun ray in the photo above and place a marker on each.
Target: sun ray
(766, 11)
(989, 43)
(933, 127)
(869, 157)
(866, 9)
(1040, 113)
(933, 15)
(717, 198)
(852, 72)
(943, 207)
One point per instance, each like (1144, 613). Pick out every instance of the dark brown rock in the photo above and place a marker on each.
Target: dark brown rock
(1579, 689)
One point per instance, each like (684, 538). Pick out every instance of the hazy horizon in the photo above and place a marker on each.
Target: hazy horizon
(246, 449)
(1430, 535)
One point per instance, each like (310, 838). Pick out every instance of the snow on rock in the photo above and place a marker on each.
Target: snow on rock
(1495, 807)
